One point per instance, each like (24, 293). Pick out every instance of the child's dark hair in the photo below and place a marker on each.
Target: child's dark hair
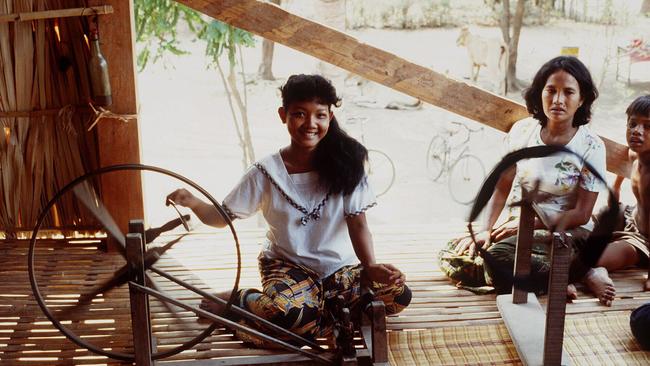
(339, 159)
(588, 91)
(640, 107)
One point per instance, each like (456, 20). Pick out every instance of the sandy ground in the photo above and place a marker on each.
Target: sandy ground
(186, 125)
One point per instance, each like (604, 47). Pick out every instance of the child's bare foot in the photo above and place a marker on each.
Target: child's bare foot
(598, 281)
(571, 292)
(646, 286)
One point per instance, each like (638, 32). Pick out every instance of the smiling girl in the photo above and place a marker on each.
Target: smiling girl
(313, 194)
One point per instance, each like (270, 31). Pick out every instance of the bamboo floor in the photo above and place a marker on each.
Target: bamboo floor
(66, 269)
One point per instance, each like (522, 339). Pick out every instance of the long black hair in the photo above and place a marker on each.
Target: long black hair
(573, 66)
(338, 158)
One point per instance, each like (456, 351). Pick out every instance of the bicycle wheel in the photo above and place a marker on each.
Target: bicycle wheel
(381, 171)
(465, 179)
(436, 157)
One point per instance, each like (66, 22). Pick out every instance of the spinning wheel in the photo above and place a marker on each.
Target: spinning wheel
(529, 327)
(86, 296)
(81, 192)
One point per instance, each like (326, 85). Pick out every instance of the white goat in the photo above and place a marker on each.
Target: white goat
(489, 52)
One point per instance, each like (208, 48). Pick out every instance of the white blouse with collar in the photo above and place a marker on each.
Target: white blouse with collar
(306, 225)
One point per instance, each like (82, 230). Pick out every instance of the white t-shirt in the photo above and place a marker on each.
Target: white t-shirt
(559, 174)
(312, 236)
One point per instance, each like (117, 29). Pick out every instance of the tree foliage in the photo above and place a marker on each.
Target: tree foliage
(220, 37)
(157, 22)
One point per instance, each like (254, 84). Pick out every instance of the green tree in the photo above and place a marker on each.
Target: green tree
(156, 23)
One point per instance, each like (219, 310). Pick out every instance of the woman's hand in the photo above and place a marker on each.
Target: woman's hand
(181, 197)
(506, 230)
(466, 244)
(384, 273)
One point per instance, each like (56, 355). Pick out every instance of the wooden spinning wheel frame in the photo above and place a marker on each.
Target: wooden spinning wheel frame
(69, 333)
(521, 304)
(140, 260)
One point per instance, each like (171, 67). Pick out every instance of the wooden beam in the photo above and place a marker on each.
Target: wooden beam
(58, 13)
(330, 45)
(119, 141)
(340, 49)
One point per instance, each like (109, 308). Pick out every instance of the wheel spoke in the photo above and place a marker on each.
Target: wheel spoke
(87, 195)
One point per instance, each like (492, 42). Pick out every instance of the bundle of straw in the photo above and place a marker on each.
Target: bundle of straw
(43, 67)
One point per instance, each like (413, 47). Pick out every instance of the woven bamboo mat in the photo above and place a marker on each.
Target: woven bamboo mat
(207, 260)
(594, 339)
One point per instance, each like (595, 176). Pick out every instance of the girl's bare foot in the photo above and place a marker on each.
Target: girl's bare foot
(598, 281)
(214, 307)
(571, 292)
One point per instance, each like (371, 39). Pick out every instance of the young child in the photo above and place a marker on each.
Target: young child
(313, 195)
(630, 246)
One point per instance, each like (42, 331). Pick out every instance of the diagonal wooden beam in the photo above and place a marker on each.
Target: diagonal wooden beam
(340, 49)
(347, 52)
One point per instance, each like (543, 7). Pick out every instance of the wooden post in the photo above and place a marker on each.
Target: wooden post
(137, 227)
(118, 142)
(379, 336)
(140, 322)
(556, 306)
(523, 251)
(346, 338)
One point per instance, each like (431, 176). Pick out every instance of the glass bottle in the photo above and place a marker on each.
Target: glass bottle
(98, 68)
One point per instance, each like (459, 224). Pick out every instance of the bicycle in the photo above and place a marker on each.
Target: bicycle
(380, 168)
(466, 172)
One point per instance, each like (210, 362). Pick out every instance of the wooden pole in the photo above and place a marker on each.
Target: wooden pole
(379, 336)
(556, 306)
(136, 226)
(58, 13)
(140, 322)
(118, 141)
(523, 251)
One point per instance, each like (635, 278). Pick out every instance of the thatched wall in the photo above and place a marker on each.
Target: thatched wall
(43, 71)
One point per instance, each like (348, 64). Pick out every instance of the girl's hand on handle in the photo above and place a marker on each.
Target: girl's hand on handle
(206, 212)
(385, 273)
(181, 197)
